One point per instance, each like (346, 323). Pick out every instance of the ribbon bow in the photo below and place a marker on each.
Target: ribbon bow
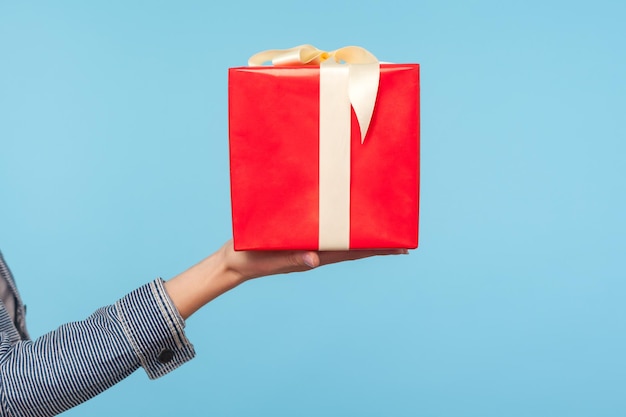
(362, 66)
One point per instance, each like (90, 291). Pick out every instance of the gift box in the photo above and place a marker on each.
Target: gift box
(305, 172)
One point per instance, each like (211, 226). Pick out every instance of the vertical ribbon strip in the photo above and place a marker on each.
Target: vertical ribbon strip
(334, 143)
(351, 77)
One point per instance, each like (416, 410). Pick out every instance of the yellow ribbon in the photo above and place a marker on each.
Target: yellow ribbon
(351, 77)
(310, 55)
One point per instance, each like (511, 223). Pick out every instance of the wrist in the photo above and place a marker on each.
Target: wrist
(228, 268)
(202, 283)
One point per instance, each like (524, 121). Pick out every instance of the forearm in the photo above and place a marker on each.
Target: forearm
(66, 367)
(203, 282)
(78, 360)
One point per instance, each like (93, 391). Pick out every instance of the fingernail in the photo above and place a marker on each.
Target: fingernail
(308, 260)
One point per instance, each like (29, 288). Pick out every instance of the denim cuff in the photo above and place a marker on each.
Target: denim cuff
(154, 329)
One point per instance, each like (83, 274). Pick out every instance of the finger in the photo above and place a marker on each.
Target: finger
(311, 259)
(329, 257)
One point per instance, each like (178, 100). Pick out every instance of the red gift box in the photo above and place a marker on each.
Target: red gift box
(274, 138)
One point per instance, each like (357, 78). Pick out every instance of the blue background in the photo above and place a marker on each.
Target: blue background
(113, 171)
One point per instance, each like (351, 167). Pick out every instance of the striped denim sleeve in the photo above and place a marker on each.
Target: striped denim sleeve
(72, 364)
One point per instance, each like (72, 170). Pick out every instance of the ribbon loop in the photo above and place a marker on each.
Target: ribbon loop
(299, 55)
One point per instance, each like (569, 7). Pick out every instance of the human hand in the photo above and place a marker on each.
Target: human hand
(227, 268)
(254, 264)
